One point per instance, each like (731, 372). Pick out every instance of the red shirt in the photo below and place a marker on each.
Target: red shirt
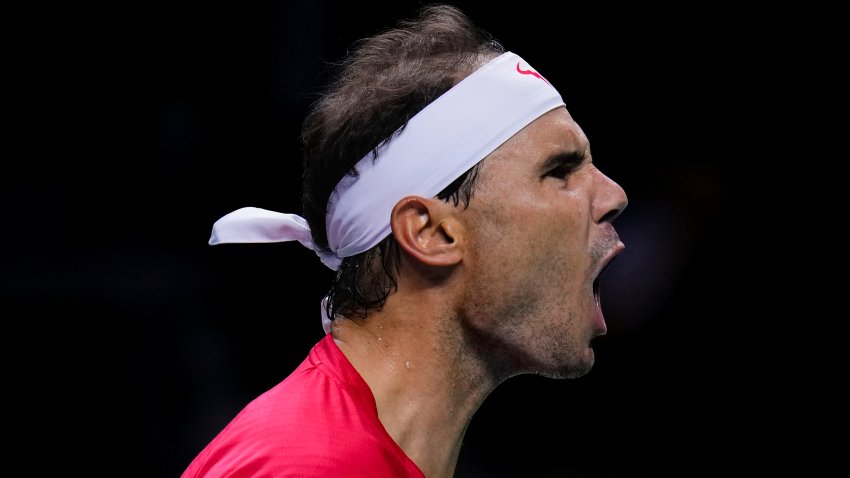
(321, 421)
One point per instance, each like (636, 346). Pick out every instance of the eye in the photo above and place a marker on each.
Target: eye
(561, 165)
(562, 170)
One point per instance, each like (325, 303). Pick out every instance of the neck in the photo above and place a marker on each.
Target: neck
(427, 386)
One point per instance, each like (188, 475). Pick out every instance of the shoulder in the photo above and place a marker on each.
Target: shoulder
(311, 424)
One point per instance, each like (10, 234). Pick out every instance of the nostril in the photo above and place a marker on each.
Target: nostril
(610, 215)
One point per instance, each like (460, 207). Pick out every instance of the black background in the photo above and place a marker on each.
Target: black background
(142, 125)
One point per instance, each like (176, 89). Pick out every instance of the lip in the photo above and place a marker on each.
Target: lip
(603, 264)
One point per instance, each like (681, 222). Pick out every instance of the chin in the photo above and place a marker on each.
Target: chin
(576, 366)
(585, 366)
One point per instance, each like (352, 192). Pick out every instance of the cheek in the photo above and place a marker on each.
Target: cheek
(533, 250)
(524, 228)
(555, 254)
(531, 225)
(556, 232)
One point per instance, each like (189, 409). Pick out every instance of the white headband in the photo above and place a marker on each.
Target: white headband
(440, 143)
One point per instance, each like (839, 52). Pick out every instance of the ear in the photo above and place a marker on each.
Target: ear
(428, 230)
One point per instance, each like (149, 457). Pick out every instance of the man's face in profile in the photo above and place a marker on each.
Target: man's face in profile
(540, 235)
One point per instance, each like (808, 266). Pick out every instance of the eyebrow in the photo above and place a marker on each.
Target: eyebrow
(561, 158)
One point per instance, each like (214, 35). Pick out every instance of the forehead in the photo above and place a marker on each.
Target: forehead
(552, 133)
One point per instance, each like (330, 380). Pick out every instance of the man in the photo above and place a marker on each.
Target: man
(449, 187)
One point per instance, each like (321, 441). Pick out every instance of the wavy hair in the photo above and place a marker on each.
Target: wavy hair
(382, 83)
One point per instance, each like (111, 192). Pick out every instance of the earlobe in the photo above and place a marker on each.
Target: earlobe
(427, 230)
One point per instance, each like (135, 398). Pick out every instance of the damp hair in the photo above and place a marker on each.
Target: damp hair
(381, 84)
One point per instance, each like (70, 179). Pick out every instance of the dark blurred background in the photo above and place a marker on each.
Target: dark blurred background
(154, 121)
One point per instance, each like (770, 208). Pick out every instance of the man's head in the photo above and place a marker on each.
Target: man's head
(522, 254)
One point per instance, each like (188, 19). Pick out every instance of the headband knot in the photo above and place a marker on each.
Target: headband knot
(438, 145)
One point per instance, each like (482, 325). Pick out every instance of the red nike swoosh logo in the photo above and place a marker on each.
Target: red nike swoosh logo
(530, 72)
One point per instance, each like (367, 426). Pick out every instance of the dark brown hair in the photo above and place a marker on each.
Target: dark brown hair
(382, 83)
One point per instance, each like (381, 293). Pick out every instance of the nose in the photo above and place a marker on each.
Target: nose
(609, 200)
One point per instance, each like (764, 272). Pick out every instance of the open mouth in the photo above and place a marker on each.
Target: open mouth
(598, 280)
